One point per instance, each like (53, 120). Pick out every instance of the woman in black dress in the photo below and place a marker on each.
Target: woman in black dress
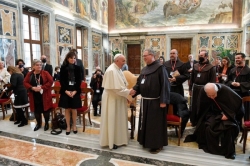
(21, 97)
(70, 80)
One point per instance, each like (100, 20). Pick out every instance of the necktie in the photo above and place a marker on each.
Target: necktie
(43, 66)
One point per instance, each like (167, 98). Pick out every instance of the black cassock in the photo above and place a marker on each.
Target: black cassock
(243, 78)
(154, 87)
(177, 86)
(212, 134)
(202, 74)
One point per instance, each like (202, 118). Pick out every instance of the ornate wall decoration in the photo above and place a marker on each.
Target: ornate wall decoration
(94, 8)
(45, 28)
(248, 44)
(64, 35)
(96, 40)
(8, 22)
(8, 51)
(204, 41)
(155, 43)
(82, 7)
(116, 44)
(63, 50)
(104, 7)
(232, 41)
(85, 38)
(218, 41)
(96, 49)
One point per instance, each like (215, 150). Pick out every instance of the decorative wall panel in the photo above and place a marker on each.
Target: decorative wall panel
(96, 49)
(64, 40)
(45, 29)
(211, 42)
(157, 43)
(9, 41)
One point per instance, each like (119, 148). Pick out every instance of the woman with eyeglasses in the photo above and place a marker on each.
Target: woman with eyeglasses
(39, 82)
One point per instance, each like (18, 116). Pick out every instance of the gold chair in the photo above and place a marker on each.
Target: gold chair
(86, 105)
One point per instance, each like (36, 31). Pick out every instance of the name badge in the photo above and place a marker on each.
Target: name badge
(142, 81)
(71, 83)
(97, 91)
(199, 75)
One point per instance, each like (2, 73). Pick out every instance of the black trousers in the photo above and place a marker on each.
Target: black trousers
(96, 98)
(20, 115)
(38, 117)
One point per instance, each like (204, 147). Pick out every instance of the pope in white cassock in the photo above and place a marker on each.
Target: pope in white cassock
(114, 118)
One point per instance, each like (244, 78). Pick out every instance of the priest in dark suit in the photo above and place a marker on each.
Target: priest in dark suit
(45, 66)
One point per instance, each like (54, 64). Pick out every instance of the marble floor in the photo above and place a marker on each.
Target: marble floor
(23, 146)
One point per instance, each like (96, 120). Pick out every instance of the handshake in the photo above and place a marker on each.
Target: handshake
(132, 92)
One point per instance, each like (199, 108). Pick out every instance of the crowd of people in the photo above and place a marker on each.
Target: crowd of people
(216, 118)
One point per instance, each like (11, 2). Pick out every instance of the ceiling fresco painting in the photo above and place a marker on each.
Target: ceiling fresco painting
(151, 13)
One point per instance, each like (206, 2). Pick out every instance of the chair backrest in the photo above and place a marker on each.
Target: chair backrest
(84, 84)
(86, 92)
(170, 109)
(6, 94)
(246, 104)
(56, 90)
(57, 83)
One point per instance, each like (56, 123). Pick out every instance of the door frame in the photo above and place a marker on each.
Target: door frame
(185, 36)
(125, 48)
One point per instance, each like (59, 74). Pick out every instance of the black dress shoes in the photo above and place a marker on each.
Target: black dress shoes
(17, 122)
(67, 133)
(115, 146)
(46, 126)
(23, 123)
(230, 157)
(37, 127)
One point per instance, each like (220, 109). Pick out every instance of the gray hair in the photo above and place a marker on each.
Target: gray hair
(35, 61)
(150, 51)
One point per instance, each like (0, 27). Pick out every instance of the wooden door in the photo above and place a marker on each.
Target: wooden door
(134, 58)
(183, 46)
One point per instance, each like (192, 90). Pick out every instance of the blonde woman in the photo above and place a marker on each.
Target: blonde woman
(21, 97)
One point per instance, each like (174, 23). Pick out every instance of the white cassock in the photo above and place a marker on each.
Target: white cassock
(114, 118)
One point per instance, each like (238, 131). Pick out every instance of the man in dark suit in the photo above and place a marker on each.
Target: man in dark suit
(80, 64)
(45, 66)
(190, 64)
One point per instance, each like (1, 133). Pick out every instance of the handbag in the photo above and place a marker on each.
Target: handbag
(58, 122)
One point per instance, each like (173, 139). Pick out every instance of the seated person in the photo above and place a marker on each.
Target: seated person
(217, 127)
(180, 108)
(96, 85)
(56, 73)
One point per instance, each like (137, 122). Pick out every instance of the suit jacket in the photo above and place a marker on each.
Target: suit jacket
(80, 64)
(188, 66)
(49, 69)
